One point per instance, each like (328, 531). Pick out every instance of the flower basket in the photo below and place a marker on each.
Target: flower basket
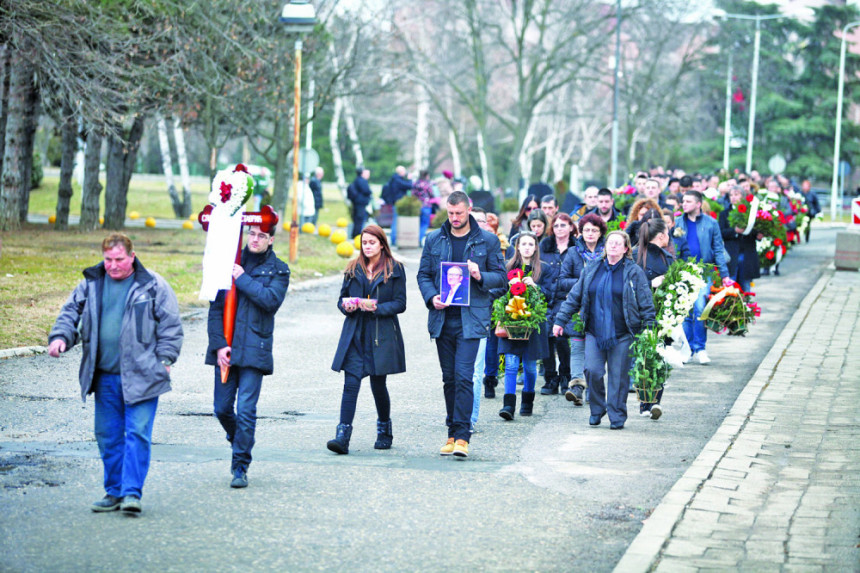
(647, 395)
(730, 310)
(517, 331)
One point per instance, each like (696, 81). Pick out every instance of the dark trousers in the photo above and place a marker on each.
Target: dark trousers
(457, 360)
(615, 364)
(351, 386)
(491, 356)
(560, 345)
(359, 219)
(242, 388)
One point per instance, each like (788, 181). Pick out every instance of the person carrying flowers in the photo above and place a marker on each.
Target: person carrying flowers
(531, 284)
(614, 301)
(373, 293)
(739, 236)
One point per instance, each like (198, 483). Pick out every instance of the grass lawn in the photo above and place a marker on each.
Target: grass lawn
(39, 267)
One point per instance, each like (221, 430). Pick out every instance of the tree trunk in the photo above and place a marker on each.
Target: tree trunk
(185, 176)
(334, 141)
(120, 165)
(167, 166)
(5, 73)
(31, 122)
(67, 166)
(420, 150)
(353, 133)
(20, 85)
(92, 186)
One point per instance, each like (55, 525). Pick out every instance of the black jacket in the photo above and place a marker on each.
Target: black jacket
(359, 192)
(737, 245)
(573, 264)
(482, 248)
(550, 258)
(389, 356)
(638, 302)
(657, 262)
(261, 291)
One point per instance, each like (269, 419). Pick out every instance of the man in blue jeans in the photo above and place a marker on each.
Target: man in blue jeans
(261, 281)
(458, 330)
(706, 244)
(131, 335)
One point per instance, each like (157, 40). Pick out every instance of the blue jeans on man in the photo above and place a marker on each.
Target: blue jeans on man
(424, 223)
(478, 379)
(457, 360)
(394, 227)
(694, 329)
(124, 435)
(242, 388)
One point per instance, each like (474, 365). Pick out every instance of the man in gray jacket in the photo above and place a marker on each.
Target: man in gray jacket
(131, 335)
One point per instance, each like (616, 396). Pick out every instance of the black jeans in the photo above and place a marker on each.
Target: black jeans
(561, 345)
(457, 360)
(351, 386)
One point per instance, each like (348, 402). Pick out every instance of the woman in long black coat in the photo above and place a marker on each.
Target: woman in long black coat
(371, 343)
(743, 265)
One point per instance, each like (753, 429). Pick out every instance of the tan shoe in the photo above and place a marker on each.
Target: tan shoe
(461, 449)
(448, 448)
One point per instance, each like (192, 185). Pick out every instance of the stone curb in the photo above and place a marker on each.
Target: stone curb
(644, 552)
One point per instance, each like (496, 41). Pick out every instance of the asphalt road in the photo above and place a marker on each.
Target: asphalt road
(547, 493)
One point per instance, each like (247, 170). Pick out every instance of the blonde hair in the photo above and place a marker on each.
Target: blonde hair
(628, 254)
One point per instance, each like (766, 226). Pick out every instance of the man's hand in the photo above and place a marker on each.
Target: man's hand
(57, 347)
(438, 304)
(238, 271)
(224, 355)
(474, 271)
(657, 281)
(557, 330)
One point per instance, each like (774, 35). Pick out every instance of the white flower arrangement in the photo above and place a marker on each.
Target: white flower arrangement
(231, 189)
(674, 299)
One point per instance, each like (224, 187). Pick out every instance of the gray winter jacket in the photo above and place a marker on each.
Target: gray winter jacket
(151, 331)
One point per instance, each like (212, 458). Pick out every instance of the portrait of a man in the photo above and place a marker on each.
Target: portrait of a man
(455, 284)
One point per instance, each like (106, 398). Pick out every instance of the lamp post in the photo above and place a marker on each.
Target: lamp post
(727, 136)
(754, 89)
(837, 139)
(613, 181)
(297, 16)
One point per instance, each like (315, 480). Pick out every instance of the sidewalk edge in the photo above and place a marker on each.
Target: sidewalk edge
(644, 551)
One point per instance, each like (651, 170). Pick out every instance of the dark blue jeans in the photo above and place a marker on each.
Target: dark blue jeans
(457, 360)
(242, 388)
(359, 219)
(615, 364)
(124, 436)
(491, 356)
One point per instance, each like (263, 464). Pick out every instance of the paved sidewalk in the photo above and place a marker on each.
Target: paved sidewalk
(778, 486)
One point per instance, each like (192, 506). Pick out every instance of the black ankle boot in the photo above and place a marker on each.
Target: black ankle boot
(551, 386)
(384, 437)
(510, 405)
(490, 383)
(340, 443)
(528, 403)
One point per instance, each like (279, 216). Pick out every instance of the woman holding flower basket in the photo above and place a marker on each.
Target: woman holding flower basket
(739, 236)
(531, 284)
(371, 344)
(614, 301)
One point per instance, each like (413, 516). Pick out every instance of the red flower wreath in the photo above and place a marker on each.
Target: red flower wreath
(518, 289)
(515, 274)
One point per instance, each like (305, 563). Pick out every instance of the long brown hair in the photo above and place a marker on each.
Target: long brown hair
(516, 261)
(386, 259)
(648, 231)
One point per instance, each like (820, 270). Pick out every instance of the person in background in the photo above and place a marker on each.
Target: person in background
(127, 319)
(487, 358)
(397, 187)
(480, 197)
(614, 301)
(706, 245)
(634, 219)
(811, 203)
(549, 206)
(373, 293)
(606, 206)
(589, 203)
(553, 250)
(743, 258)
(359, 195)
(317, 191)
(422, 189)
(538, 224)
(520, 222)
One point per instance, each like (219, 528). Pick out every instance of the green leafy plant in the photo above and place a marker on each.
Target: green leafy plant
(439, 219)
(648, 368)
(408, 206)
(510, 205)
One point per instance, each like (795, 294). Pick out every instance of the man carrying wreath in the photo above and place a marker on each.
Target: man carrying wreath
(261, 283)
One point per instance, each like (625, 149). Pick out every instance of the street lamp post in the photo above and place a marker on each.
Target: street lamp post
(727, 136)
(297, 16)
(754, 90)
(613, 181)
(837, 139)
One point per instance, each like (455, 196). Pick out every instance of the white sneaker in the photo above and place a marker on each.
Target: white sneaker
(702, 357)
(688, 358)
(645, 413)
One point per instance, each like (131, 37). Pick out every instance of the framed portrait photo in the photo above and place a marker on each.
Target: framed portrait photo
(455, 281)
